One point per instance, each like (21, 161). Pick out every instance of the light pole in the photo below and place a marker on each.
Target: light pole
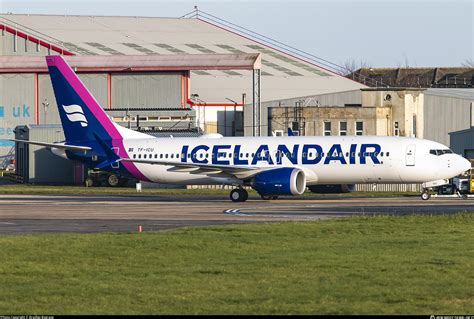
(225, 117)
(45, 108)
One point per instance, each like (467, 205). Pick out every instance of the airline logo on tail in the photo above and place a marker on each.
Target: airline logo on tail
(75, 113)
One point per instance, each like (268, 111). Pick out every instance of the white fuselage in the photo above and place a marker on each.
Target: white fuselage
(324, 160)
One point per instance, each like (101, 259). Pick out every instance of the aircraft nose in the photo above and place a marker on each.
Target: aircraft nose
(464, 164)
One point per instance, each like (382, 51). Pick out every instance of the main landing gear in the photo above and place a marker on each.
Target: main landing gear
(239, 195)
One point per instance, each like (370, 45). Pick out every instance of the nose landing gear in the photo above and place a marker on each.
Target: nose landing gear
(239, 195)
(425, 195)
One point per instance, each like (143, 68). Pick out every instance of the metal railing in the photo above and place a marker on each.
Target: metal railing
(34, 33)
(282, 47)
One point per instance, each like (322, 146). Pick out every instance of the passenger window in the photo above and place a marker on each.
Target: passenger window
(156, 155)
(388, 154)
(166, 155)
(381, 154)
(139, 155)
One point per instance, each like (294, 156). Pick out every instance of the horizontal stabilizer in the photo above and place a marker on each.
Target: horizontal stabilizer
(56, 145)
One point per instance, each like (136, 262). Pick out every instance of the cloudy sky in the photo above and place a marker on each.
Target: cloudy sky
(377, 33)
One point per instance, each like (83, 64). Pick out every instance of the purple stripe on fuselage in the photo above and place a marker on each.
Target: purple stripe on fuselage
(91, 103)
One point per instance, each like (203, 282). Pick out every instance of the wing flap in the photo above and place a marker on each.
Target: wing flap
(240, 172)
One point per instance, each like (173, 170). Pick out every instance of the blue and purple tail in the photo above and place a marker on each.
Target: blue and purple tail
(85, 122)
(83, 119)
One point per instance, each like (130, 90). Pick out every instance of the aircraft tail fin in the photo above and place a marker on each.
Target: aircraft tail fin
(81, 115)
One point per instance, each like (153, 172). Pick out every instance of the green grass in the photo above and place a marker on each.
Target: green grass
(81, 190)
(417, 264)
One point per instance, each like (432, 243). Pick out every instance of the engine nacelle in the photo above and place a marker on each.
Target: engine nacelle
(280, 181)
(332, 189)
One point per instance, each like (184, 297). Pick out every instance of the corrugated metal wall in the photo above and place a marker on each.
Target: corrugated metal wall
(146, 90)
(96, 83)
(16, 106)
(36, 164)
(41, 160)
(443, 115)
(463, 142)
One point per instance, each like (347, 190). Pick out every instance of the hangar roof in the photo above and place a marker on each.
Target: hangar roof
(283, 75)
(116, 63)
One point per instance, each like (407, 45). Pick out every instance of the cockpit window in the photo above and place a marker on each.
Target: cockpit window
(441, 152)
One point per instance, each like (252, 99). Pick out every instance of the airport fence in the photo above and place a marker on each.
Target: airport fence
(359, 187)
(389, 188)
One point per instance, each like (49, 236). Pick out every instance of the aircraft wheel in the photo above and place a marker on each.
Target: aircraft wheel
(246, 195)
(275, 197)
(89, 182)
(464, 196)
(113, 180)
(266, 197)
(238, 195)
(425, 195)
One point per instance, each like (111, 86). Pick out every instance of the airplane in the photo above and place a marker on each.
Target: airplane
(271, 165)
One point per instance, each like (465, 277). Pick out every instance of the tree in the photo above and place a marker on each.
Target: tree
(351, 65)
(468, 63)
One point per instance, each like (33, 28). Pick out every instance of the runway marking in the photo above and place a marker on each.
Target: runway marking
(235, 212)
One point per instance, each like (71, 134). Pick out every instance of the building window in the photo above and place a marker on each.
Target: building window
(396, 130)
(327, 129)
(414, 125)
(359, 128)
(14, 43)
(26, 45)
(38, 47)
(342, 128)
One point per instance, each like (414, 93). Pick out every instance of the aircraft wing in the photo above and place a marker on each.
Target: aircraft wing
(56, 145)
(240, 172)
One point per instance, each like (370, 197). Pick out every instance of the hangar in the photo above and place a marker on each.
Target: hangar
(415, 112)
(215, 97)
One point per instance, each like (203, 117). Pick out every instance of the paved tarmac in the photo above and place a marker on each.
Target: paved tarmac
(21, 214)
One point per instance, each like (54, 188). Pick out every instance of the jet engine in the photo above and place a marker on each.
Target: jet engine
(332, 189)
(280, 181)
